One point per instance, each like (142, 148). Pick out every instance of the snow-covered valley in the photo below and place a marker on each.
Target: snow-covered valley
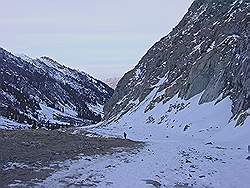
(161, 164)
(178, 119)
(211, 152)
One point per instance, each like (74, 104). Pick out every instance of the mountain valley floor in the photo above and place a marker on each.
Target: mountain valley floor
(29, 156)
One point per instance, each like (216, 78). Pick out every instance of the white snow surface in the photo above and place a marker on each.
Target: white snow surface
(210, 153)
(47, 114)
(9, 125)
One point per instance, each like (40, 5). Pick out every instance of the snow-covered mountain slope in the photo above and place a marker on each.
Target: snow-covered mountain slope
(41, 92)
(179, 118)
(206, 53)
(181, 91)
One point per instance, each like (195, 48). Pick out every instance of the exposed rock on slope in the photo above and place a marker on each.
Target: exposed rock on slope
(41, 91)
(206, 53)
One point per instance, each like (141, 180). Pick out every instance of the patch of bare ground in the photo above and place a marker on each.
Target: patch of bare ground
(29, 156)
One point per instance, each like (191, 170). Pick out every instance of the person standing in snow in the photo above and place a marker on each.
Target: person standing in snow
(125, 135)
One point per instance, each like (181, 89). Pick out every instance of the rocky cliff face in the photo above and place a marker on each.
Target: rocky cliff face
(207, 53)
(41, 91)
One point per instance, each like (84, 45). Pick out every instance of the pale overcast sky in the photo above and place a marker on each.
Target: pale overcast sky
(104, 38)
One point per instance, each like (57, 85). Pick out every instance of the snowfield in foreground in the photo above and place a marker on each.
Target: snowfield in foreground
(167, 164)
(196, 146)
